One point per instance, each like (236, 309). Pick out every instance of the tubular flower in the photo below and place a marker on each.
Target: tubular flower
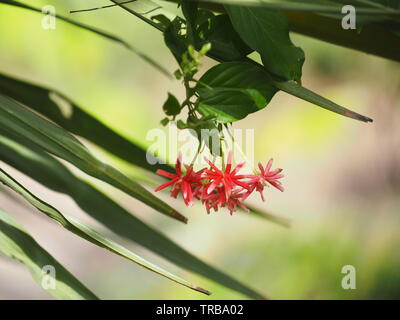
(235, 200)
(266, 176)
(228, 179)
(216, 188)
(180, 182)
(214, 200)
(271, 177)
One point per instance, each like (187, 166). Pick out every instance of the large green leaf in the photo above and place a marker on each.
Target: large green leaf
(267, 32)
(20, 121)
(17, 243)
(96, 31)
(50, 172)
(232, 90)
(83, 231)
(204, 27)
(226, 44)
(50, 103)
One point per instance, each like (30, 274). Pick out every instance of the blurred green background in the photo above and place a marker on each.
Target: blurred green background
(342, 176)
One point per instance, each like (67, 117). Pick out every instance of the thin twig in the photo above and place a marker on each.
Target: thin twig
(103, 7)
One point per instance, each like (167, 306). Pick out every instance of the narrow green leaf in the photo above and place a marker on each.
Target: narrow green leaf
(269, 216)
(50, 172)
(96, 31)
(319, 6)
(232, 90)
(83, 231)
(50, 103)
(17, 243)
(141, 9)
(267, 32)
(297, 90)
(20, 121)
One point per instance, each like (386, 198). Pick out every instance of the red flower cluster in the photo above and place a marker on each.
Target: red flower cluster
(216, 188)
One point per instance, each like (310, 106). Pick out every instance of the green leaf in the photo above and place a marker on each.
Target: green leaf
(226, 43)
(17, 243)
(297, 90)
(20, 121)
(284, 222)
(203, 27)
(50, 103)
(162, 19)
(83, 231)
(164, 122)
(230, 91)
(172, 107)
(224, 92)
(319, 6)
(267, 32)
(175, 39)
(304, 16)
(189, 10)
(50, 172)
(141, 9)
(96, 31)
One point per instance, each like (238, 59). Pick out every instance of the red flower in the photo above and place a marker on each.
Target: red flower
(271, 176)
(227, 179)
(181, 182)
(216, 188)
(266, 176)
(235, 200)
(217, 199)
(214, 200)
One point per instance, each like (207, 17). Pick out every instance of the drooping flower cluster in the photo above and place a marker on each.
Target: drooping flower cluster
(217, 188)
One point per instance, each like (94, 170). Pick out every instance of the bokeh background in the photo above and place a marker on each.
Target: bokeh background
(342, 176)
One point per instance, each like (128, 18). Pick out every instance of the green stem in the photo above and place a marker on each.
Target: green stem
(237, 147)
